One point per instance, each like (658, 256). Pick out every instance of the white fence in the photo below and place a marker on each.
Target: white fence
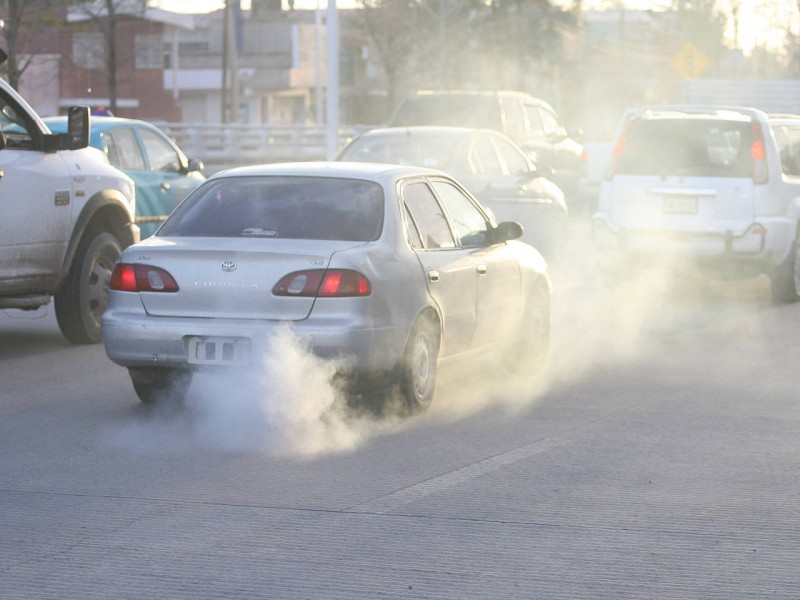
(221, 146)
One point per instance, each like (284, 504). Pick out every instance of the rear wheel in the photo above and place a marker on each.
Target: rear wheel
(786, 278)
(83, 298)
(529, 351)
(419, 368)
(159, 385)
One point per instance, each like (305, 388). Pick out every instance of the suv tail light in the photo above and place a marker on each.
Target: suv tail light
(331, 283)
(619, 148)
(759, 155)
(141, 278)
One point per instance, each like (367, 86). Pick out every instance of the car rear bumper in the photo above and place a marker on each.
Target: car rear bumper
(764, 243)
(138, 340)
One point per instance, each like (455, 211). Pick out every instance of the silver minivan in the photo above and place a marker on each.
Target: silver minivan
(707, 186)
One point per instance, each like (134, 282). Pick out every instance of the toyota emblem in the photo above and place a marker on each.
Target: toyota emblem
(228, 265)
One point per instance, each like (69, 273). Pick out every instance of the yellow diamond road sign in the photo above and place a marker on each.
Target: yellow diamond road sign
(689, 62)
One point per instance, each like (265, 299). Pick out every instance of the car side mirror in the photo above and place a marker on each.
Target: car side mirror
(195, 165)
(77, 127)
(507, 230)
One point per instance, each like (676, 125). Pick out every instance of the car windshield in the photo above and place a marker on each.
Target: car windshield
(688, 147)
(432, 151)
(312, 208)
(461, 111)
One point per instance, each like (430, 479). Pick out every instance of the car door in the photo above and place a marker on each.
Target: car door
(35, 201)
(499, 298)
(449, 271)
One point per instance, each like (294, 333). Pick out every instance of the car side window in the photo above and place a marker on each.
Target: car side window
(427, 216)
(470, 224)
(515, 116)
(123, 150)
(488, 157)
(551, 125)
(534, 120)
(514, 160)
(13, 125)
(788, 142)
(160, 153)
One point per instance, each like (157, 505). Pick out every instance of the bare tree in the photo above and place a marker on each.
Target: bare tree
(106, 14)
(23, 20)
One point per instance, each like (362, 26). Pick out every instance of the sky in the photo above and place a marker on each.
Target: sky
(762, 22)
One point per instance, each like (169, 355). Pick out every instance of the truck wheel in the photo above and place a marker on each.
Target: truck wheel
(83, 298)
(158, 385)
(786, 278)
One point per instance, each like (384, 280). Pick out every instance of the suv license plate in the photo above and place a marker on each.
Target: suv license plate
(681, 205)
(218, 351)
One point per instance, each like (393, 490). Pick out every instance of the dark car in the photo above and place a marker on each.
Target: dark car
(163, 174)
(529, 121)
(489, 164)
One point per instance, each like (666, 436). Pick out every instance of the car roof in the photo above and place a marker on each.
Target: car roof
(696, 111)
(426, 130)
(101, 123)
(347, 170)
(784, 118)
(467, 93)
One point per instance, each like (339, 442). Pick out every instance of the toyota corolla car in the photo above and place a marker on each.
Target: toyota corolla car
(163, 175)
(489, 164)
(392, 268)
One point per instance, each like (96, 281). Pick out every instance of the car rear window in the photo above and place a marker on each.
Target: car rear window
(687, 147)
(311, 208)
(432, 151)
(459, 111)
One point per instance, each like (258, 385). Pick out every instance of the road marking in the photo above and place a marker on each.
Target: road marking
(389, 502)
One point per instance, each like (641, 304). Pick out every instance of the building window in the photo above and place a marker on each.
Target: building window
(88, 50)
(192, 47)
(149, 52)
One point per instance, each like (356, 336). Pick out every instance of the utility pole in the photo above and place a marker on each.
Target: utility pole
(333, 81)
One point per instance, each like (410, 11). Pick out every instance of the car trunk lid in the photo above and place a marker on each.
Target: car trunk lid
(232, 278)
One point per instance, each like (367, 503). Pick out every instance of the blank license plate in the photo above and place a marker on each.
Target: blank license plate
(219, 351)
(681, 205)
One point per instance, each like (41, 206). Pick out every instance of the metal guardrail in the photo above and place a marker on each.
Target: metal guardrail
(236, 144)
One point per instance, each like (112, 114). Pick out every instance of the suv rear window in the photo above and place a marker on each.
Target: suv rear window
(309, 208)
(687, 147)
(482, 112)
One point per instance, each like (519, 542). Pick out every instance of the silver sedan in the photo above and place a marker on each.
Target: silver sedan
(391, 268)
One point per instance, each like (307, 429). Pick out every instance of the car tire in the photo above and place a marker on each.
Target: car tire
(160, 385)
(530, 350)
(83, 297)
(785, 280)
(420, 366)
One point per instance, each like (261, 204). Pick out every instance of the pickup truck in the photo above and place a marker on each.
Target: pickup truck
(65, 216)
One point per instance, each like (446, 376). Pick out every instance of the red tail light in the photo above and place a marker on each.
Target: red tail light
(617, 151)
(333, 283)
(759, 154)
(141, 278)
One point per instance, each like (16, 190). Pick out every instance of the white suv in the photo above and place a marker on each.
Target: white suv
(714, 187)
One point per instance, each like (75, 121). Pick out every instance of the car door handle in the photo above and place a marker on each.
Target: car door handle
(433, 275)
(481, 269)
(165, 185)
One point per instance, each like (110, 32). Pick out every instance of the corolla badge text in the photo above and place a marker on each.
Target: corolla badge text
(227, 284)
(228, 265)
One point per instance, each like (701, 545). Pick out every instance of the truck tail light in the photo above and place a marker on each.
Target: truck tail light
(322, 283)
(141, 278)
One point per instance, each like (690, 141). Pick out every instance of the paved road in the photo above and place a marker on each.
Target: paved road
(657, 458)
